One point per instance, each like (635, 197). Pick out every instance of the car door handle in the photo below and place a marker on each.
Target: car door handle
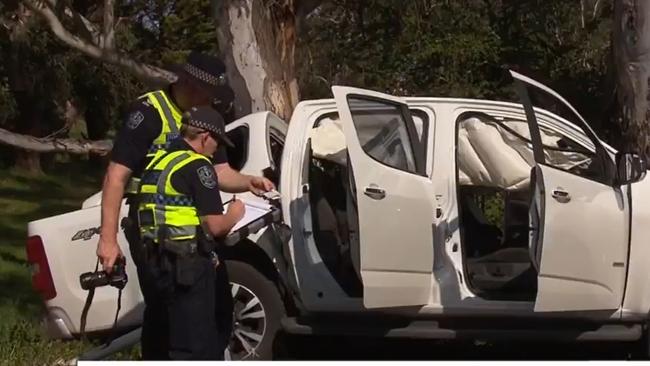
(374, 193)
(561, 195)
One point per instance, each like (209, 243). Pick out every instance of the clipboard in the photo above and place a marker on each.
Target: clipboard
(258, 215)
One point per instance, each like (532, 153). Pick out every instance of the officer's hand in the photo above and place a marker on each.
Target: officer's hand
(236, 208)
(108, 251)
(259, 185)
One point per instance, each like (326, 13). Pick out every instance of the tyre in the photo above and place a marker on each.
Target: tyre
(257, 311)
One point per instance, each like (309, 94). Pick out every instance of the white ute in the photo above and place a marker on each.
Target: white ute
(410, 217)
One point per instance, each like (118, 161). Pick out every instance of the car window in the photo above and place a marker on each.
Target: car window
(383, 133)
(238, 155)
(573, 150)
(421, 122)
(276, 145)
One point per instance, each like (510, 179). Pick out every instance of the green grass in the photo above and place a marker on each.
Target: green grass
(24, 198)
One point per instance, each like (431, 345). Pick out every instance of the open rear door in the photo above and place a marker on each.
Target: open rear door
(579, 218)
(394, 198)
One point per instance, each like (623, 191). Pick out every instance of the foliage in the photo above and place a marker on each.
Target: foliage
(43, 78)
(457, 48)
(165, 31)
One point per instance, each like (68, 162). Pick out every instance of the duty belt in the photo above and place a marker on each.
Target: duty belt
(181, 248)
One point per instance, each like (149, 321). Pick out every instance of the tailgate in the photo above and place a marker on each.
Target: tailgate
(70, 243)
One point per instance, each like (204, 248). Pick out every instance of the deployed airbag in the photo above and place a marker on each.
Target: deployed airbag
(489, 155)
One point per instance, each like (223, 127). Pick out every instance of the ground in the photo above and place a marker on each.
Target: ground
(24, 198)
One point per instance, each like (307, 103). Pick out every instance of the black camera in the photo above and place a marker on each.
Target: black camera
(117, 278)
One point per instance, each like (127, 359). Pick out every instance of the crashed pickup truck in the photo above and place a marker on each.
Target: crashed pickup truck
(418, 217)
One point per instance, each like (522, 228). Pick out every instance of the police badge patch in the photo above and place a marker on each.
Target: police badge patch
(135, 119)
(206, 176)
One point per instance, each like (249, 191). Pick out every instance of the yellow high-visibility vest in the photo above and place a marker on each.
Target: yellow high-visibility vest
(160, 205)
(170, 118)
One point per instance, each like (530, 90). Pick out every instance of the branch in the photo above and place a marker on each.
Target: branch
(109, 25)
(84, 27)
(595, 13)
(143, 71)
(45, 145)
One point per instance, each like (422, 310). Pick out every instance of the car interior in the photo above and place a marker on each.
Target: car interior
(333, 212)
(494, 162)
(333, 201)
(494, 169)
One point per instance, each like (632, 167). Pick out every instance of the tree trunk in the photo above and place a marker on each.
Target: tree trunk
(631, 43)
(29, 161)
(258, 40)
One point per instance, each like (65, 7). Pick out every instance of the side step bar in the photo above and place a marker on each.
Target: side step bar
(430, 330)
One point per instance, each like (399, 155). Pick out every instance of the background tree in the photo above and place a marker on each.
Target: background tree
(279, 50)
(631, 40)
(66, 83)
(258, 43)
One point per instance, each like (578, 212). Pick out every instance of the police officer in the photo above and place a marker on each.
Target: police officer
(179, 202)
(152, 122)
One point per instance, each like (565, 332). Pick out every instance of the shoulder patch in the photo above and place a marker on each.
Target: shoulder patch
(206, 176)
(134, 120)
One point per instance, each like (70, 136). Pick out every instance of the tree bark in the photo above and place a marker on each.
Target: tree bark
(46, 145)
(258, 40)
(631, 43)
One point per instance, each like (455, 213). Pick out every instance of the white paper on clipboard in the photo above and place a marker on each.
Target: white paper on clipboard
(254, 210)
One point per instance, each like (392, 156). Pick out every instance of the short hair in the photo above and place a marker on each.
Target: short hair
(190, 132)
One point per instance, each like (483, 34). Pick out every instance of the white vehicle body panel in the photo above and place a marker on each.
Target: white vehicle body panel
(395, 226)
(450, 294)
(636, 304)
(580, 218)
(592, 227)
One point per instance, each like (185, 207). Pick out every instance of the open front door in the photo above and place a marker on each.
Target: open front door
(579, 218)
(394, 198)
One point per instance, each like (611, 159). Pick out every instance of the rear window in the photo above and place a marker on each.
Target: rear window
(238, 155)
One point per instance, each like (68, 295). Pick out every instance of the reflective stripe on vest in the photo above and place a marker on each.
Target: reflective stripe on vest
(170, 119)
(164, 212)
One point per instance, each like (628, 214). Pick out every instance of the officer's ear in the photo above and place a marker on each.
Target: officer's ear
(205, 136)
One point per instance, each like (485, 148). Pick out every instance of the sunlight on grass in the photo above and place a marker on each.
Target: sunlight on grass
(26, 198)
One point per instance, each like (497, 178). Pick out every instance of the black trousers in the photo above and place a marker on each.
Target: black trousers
(210, 296)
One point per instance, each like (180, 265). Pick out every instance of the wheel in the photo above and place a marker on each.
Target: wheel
(257, 311)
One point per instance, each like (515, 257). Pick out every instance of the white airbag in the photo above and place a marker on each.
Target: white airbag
(488, 154)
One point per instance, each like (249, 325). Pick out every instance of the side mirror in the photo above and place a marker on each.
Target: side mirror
(630, 168)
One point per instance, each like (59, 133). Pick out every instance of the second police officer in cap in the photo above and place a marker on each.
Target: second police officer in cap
(179, 203)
